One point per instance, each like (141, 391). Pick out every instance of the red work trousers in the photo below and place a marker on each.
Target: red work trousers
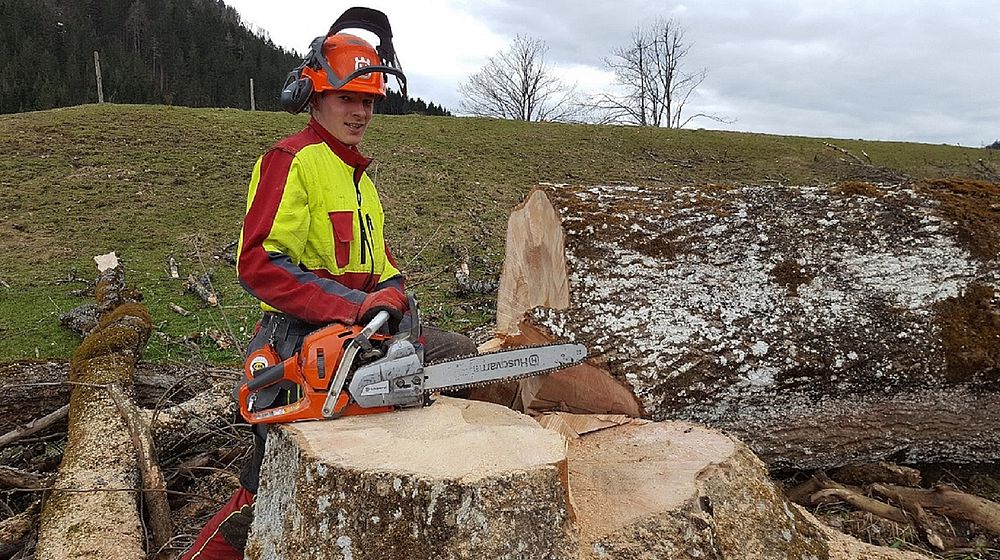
(210, 544)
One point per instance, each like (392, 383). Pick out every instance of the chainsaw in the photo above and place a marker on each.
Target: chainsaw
(346, 370)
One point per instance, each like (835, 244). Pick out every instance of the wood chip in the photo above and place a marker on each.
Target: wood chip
(222, 340)
(202, 287)
(106, 262)
(178, 309)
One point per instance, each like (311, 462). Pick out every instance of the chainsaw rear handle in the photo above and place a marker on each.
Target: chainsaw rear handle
(321, 397)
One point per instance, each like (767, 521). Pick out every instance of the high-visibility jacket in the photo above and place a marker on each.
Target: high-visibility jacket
(312, 244)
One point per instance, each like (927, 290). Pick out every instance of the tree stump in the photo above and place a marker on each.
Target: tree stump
(821, 325)
(682, 491)
(466, 479)
(458, 479)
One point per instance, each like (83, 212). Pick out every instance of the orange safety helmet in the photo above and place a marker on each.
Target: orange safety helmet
(346, 55)
(344, 61)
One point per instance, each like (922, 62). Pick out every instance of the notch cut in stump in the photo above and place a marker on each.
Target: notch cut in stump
(458, 479)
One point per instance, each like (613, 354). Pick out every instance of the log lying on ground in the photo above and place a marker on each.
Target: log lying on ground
(901, 504)
(950, 502)
(823, 326)
(15, 530)
(861, 475)
(35, 426)
(465, 479)
(93, 511)
(209, 410)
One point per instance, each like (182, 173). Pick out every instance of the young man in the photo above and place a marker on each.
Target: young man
(313, 249)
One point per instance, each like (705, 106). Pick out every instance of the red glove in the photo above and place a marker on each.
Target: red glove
(391, 300)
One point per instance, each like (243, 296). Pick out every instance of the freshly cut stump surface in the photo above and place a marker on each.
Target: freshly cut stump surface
(473, 480)
(686, 492)
(458, 479)
(680, 491)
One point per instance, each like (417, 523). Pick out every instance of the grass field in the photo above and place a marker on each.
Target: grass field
(152, 182)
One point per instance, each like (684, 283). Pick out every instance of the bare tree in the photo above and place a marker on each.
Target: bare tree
(655, 88)
(517, 84)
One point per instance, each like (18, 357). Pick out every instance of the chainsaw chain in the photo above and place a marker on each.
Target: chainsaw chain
(495, 381)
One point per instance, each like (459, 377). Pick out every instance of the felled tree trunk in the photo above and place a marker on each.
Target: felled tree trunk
(824, 326)
(465, 479)
(92, 512)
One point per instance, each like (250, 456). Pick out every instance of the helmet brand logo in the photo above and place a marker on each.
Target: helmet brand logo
(361, 62)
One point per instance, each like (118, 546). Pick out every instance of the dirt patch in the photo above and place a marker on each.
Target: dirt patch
(858, 188)
(970, 333)
(974, 207)
(791, 275)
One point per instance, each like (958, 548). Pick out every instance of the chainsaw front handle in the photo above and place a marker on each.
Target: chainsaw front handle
(267, 377)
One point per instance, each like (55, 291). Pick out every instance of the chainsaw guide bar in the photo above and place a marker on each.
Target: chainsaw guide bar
(509, 364)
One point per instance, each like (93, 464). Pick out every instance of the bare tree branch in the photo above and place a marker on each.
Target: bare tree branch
(517, 84)
(649, 72)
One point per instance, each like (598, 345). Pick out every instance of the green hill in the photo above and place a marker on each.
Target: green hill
(153, 181)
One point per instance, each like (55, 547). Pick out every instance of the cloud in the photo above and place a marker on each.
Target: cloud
(897, 69)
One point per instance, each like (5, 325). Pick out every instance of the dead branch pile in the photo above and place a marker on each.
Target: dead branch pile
(100, 455)
(941, 518)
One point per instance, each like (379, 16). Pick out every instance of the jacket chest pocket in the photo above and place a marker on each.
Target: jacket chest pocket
(343, 234)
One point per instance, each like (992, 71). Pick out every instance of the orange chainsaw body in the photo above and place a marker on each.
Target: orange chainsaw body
(312, 370)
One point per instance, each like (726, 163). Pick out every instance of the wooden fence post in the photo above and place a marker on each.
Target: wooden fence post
(253, 105)
(100, 86)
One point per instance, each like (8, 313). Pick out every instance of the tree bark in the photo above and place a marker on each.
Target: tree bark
(92, 510)
(153, 484)
(15, 529)
(458, 479)
(822, 327)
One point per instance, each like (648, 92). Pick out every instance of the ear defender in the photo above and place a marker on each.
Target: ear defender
(296, 93)
(299, 87)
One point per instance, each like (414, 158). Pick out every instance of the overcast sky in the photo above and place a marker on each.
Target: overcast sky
(914, 70)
